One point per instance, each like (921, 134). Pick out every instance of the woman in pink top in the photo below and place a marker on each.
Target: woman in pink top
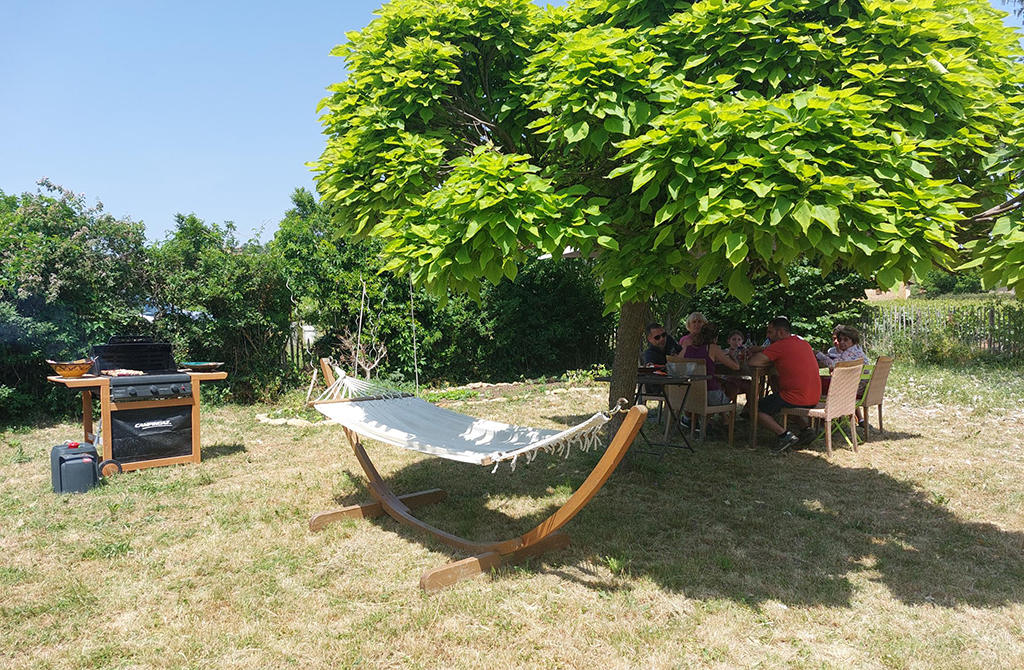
(694, 323)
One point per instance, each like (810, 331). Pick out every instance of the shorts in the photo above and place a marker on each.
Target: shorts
(718, 397)
(773, 404)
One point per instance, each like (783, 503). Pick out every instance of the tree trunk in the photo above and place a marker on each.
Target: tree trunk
(628, 336)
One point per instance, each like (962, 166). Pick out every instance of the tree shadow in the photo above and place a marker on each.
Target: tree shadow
(218, 450)
(731, 523)
(568, 419)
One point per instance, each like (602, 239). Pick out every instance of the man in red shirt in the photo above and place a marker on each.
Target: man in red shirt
(799, 384)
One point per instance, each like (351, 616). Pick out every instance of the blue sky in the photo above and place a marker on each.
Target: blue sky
(157, 107)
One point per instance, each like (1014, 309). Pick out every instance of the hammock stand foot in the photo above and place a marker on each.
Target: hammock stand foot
(486, 555)
(436, 579)
(375, 509)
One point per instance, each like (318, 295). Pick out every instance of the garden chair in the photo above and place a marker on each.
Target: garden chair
(875, 392)
(841, 402)
(697, 399)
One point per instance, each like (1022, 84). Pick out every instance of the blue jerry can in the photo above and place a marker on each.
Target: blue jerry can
(74, 467)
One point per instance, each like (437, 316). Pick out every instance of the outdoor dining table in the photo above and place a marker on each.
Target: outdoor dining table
(650, 378)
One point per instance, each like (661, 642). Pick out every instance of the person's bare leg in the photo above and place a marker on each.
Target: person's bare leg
(766, 420)
(770, 423)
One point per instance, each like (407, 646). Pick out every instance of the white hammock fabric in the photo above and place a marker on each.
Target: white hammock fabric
(382, 414)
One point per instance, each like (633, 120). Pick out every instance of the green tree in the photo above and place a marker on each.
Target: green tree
(219, 300)
(71, 275)
(689, 143)
(521, 328)
(938, 283)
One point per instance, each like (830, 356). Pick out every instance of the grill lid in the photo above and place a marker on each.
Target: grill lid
(133, 353)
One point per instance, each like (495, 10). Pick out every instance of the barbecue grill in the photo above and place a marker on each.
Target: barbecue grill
(149, 408)
(161, 378)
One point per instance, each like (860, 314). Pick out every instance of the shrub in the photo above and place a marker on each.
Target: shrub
(224, 301)
(70, 276)
(814, 302)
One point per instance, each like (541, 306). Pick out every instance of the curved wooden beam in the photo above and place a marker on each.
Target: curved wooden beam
(541, 538)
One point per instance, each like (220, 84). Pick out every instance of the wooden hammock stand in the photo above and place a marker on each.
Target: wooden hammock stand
(487, 555)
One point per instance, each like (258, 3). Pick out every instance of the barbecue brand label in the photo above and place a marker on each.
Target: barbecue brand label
(160, 423)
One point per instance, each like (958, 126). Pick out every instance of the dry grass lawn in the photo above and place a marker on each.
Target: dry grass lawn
(908, 554)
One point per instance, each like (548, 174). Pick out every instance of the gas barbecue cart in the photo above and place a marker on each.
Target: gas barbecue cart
(148, 419)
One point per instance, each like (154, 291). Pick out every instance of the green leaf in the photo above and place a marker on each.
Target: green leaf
(762, 190)
(695, 60)
(708, 272)
(780, 209)
(828, 215)
(577, 132)
(607, 242)
(739, 284)
(643, 175)
(735, 247)
(802, 214)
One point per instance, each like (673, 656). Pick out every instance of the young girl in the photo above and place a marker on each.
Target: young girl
(735, 343)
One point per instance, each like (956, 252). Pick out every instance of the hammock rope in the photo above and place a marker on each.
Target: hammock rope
(400, 419)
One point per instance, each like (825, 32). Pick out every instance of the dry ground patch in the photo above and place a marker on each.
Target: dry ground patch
(908, 554)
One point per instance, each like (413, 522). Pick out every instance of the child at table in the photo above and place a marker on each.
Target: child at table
(735, 343)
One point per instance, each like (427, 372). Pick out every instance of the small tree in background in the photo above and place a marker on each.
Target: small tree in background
(224, 301)
(938, 283)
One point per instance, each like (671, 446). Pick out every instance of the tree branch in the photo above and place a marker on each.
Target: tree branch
(999, 210)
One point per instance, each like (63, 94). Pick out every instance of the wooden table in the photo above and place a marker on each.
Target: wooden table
(756, 374)
(90, 385)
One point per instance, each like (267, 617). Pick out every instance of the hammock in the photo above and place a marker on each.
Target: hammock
(401, 420)
(405, 421)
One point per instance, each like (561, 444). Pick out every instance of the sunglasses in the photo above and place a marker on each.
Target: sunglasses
(659, 337)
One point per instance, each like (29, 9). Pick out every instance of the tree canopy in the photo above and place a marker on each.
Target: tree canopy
(690, 142)
(684, 143)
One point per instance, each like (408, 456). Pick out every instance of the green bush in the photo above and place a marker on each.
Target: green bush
(549, 320)
(219, 300)
(70, 276)
(938, 283)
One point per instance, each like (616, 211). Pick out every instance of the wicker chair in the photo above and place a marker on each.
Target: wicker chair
(841, 402)
(875, 392)
(697, 399)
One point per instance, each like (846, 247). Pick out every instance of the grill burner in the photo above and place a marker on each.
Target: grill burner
(162, 379)
(169, 384)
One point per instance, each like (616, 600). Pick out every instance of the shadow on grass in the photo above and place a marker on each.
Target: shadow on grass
(568, 419)
(218, 450)
(733, 524)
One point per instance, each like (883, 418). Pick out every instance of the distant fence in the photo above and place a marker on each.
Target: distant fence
(985, 326)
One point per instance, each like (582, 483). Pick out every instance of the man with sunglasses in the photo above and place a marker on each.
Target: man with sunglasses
(659, 345)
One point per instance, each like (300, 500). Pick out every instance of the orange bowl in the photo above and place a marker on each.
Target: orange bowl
(71, 368)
